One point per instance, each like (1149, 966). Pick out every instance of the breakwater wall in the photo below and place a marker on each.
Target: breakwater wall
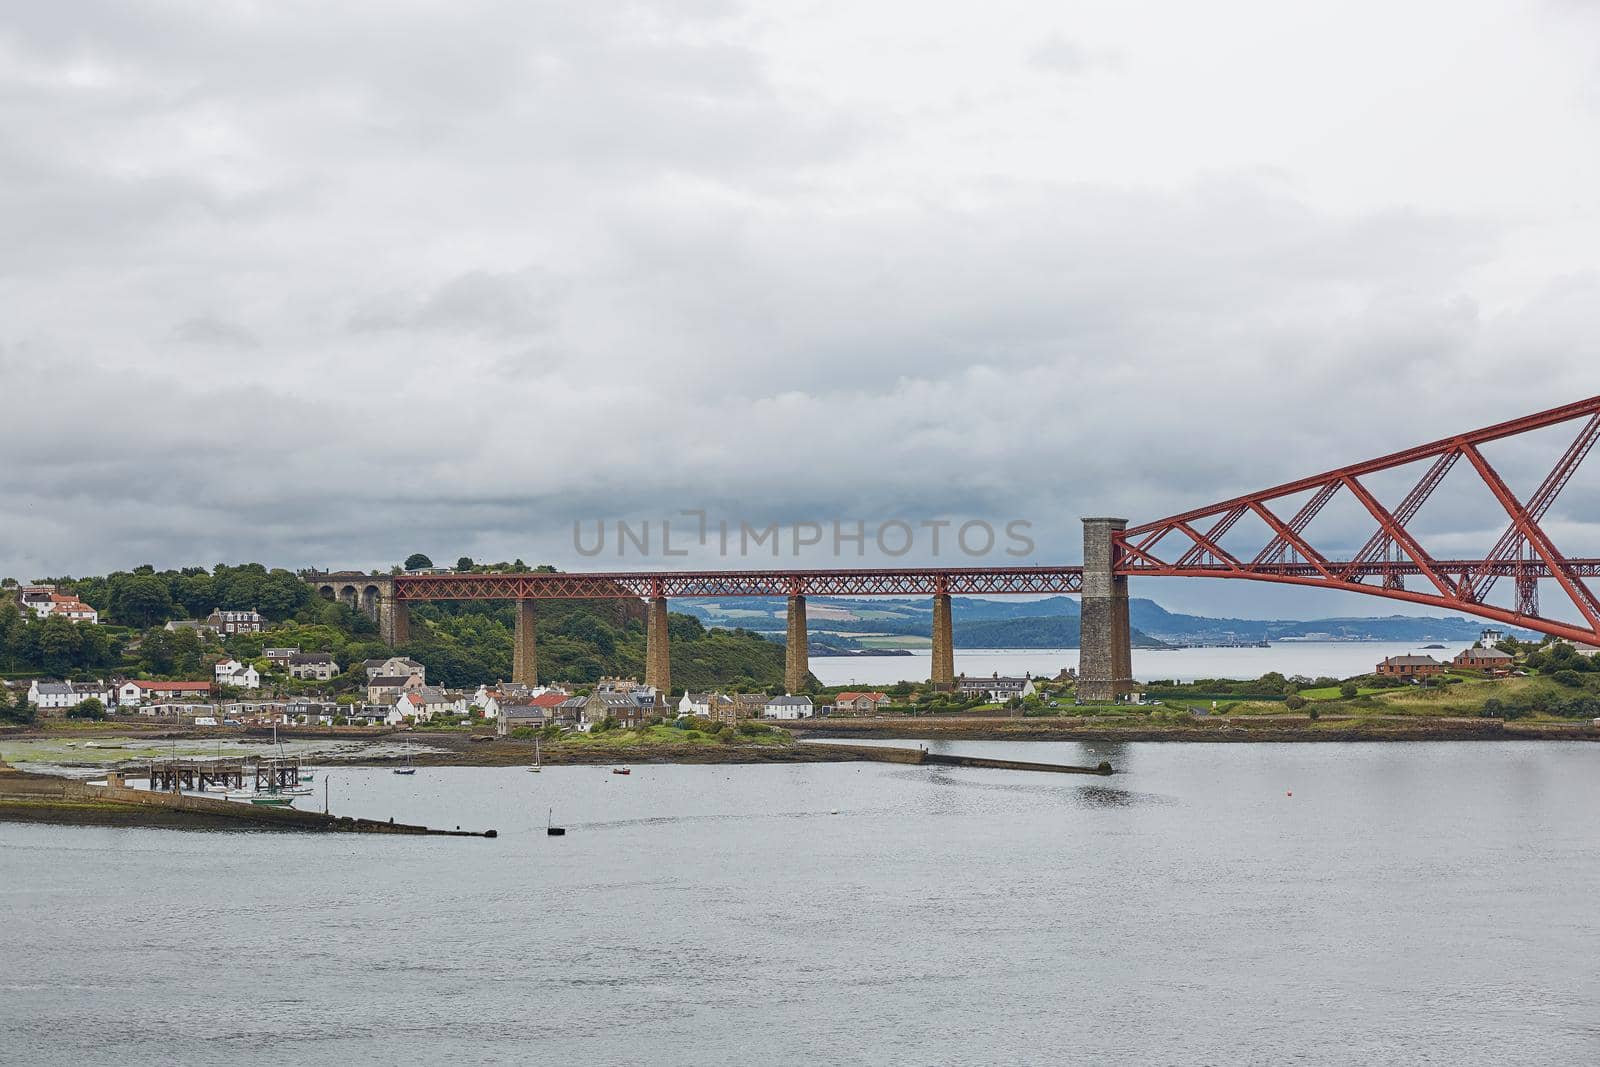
(64, 797)
(922, 757)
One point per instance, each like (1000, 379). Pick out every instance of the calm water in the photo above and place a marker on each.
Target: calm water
(1410, 903)
(1338, 659)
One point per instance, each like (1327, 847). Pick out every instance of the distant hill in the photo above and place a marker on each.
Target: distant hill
(1057, 631)
(1053, 622)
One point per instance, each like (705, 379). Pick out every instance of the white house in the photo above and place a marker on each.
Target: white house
(45, 602)
(55, 696)
(995, 687)
(424, 703)
(233, 673)
(787, 707)
(704, 704)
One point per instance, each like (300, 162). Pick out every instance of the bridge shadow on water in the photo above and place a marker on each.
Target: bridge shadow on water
(1096, 795)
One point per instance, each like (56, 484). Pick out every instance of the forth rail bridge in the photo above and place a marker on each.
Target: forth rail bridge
(1189, 545)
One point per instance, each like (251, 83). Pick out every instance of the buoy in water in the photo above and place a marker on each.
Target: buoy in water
(1290, 793)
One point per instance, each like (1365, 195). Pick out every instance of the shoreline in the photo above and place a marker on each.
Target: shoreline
(1261, 729)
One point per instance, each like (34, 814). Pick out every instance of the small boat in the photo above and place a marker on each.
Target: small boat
(408, 768)
(621, 770)
(551, 830)
(307, 777)
(537, 758)
(271, 800)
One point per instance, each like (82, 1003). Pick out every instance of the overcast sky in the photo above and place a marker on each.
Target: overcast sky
(324, 284)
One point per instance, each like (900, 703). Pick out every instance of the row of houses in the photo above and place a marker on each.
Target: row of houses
(1481, 656)
(44, 601)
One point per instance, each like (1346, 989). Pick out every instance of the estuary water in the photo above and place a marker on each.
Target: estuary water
(1409, 903)
(1337, 659)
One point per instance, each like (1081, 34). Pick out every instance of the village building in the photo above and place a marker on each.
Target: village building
(44, 601)
(371, 714)
(165, 709)
(235, 622)
(313, 712)
(1409, 667)
(312, 666)
(232, 673)
(570, 711)
(995, 687)
(536, 711)
(63, 696)
(425, 703)
(255, 711)
(619, 707)
(1490, 660)
(712, 705)
(385, 689)
(279, 657)
(394, 667)
(787, 707)
(859, 703)
(139, 692)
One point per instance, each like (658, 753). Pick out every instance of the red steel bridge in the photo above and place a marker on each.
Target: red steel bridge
(1200, 543)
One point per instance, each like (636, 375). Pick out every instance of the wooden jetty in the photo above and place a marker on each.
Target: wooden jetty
(196, 775)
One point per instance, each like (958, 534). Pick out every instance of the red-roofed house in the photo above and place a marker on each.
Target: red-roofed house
(859, 703)
(45, 602)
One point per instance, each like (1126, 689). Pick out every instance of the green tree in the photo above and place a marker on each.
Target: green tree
(186, 651)
(1567, 677)
(465, 564)
(197, 593)
(156, 651)
(141, 600)
(59, 645)
(92, 708)
(1348, 690)
(417, 561)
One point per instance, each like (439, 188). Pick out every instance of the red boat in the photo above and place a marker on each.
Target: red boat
(621, 770)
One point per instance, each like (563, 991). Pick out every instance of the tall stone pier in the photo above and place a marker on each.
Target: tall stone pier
(657, 651)
(944, 652)
(797, 655)
(394, 621)
(1105, 656)
(524, 650)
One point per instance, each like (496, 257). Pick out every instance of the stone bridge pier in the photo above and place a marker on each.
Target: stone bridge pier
(657, 647)
(1105, 652)
(797, 653)
(944, 649)
(524, 650)
(371, 594)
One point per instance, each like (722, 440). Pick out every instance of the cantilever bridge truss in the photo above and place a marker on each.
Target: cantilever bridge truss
(1392, 563)
(1191, 544)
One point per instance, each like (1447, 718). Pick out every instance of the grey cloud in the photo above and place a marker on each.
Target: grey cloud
(210, 330)
(467, 273)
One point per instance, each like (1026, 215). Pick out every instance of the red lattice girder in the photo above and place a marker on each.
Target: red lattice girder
(1456, 584)
(926, 581)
